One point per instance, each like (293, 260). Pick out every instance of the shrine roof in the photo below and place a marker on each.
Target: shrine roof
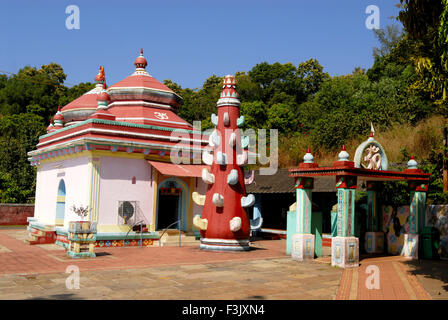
(281, 182)
(86, 101)
(117, 132)
(141, 81)
(348, 169)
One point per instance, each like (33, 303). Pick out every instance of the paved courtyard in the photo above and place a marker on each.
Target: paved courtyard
(266, 272)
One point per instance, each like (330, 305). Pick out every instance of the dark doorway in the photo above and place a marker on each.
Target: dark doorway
(168, 212)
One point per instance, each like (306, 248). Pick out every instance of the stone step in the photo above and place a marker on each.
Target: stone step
(183, 243)
(176, 239)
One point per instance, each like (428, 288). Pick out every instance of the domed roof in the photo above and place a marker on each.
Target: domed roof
(142, 86)
(84, 106)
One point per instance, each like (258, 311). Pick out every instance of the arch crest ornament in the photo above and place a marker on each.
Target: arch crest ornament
(371, 155)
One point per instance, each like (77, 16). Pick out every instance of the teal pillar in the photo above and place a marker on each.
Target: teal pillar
(418, 207)
(416, 215)
(346, 186)
(291, 225)
(304, 188)
(345, 247)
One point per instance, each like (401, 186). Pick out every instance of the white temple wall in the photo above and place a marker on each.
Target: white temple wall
(76, 177)
(116, 184)
(74, 172)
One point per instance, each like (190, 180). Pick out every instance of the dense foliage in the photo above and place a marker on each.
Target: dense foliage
(28, 100)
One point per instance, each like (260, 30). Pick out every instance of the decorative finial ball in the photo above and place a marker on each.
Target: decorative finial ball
(343, 155)
(412, 164)
(308, 157)
(103, 95)
(141, 62)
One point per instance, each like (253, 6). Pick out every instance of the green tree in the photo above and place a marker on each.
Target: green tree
(425, 22)
(19, 134)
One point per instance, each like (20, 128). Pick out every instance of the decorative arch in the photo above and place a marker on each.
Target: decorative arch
(60, 202)
(184, 199)
(364, 146)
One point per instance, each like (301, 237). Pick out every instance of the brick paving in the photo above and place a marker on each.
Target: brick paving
(38, 272)
(395, 281)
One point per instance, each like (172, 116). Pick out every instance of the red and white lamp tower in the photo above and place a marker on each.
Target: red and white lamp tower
(224, 223)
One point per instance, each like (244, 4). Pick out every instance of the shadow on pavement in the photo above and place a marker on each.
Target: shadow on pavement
(62, 296)
(433, 269)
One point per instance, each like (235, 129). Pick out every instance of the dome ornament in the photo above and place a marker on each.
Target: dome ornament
(100, 77)
(412, 164)
(308, 157)
(343, 155)
(140, 65)
(370, 154)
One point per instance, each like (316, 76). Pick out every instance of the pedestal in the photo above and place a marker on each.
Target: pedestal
(410, 246)
(81, 237)
(374, 242)
(225, 244)
(345, 252)
(302, 246)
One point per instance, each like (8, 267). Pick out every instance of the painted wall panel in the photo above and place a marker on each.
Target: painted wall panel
(116, 177)
(74, 172)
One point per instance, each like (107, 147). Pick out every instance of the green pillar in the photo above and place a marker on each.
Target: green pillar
(346, 186)
(304, 188)
(418, 206)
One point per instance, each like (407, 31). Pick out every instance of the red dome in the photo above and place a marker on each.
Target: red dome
(103, 96)
(59, 116)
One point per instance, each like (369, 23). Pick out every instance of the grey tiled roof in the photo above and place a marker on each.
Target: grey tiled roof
(282, 183)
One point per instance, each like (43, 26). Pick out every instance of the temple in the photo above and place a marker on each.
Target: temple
(370, 165)
(109, 152)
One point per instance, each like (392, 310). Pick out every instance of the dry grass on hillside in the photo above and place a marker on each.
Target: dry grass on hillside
(417, 140)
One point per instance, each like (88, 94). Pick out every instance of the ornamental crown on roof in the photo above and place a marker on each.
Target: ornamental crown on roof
(374, 154)
(138, 98)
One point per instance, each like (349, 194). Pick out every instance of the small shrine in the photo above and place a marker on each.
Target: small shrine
(370, 165)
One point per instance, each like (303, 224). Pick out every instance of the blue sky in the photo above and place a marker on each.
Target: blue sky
(188, 40)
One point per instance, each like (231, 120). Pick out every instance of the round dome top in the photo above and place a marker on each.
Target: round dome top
(103, 96)
(142, 86)
(412, 164)
(343, 155)
(140, 61)
(308, 157)
(82, 107)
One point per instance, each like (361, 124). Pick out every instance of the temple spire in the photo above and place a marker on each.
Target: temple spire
(140, 62)
(229, 95)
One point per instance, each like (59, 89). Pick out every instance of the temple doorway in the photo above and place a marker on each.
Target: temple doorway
(171, 209)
